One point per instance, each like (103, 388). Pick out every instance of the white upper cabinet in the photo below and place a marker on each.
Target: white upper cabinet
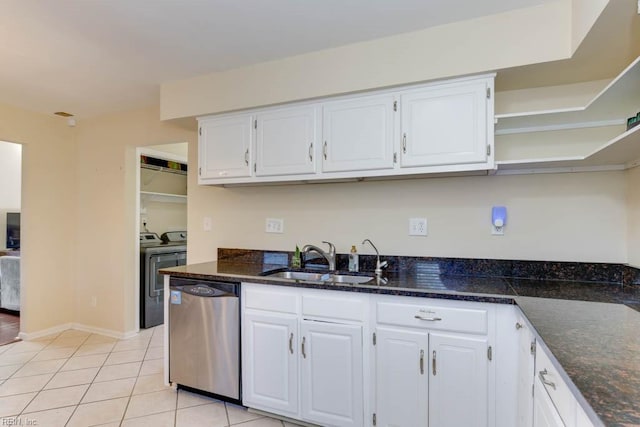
(224, 147)
(445, 125)
(358, 134)
(286, 141)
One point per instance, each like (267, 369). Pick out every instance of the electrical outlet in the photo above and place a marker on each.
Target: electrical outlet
(274, 225)
(94, 301)
(497, 231)
(417, 226)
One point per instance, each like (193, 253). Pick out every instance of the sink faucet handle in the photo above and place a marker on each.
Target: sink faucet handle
(332, 247)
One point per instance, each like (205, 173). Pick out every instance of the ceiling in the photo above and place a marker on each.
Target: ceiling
(100, 56)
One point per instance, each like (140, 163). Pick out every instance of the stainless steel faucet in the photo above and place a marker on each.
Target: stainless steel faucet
(329, 256)
(379, 265)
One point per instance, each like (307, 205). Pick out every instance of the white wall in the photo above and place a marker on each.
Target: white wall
(11, 179)
(633, 215)
(561, 217)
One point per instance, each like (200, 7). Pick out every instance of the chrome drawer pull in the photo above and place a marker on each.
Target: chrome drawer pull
(430, 319)
(291, 343)
(541, 374)
(304, 354)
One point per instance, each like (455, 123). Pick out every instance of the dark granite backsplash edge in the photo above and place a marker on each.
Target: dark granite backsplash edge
(470, 267)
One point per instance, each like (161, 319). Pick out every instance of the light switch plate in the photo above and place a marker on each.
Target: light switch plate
(206, 223)
(274, 225)
(417, 226)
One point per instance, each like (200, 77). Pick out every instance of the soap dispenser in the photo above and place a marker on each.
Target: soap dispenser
(353, 259)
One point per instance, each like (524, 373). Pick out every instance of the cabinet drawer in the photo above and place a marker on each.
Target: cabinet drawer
(472, 321)
(339, 307)
(559, 392)
(271, 299)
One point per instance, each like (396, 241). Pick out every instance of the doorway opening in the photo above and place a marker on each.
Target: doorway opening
(10, 224)
(161, 224)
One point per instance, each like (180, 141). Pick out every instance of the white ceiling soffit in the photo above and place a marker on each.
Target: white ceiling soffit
(99, 56)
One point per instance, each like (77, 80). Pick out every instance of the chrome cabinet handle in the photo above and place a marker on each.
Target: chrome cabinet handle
(542, 374)
(433, 363)
(303, 352)
(311, 152)
(518, 325)
(324, 150)
(246, 157)
(404, 143)
(421, 362)
(291, 343)
(429, 319)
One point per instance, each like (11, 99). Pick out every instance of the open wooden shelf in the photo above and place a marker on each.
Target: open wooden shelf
(163, 197)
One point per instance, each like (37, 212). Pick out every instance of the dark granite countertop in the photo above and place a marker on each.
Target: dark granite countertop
(592, 329)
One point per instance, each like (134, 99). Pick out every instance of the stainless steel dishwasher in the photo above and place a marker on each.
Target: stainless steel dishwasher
(204, 336)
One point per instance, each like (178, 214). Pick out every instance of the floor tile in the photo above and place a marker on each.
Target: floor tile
(57, 398)
(187, 399)
(81, 362)
(24, 385)
(38, 368)
(22, 346)
(152, 367)
(69, 378)
(7, 371)
(13, 405)
(96, 413)
(100, 339)
(116, 372)
(154, 353)
(150, 383)
(131, 344)
(52, 418)
(55, 353)
(151, 403)
(163, 419)
(211, 415)
(262, 422)
(9, 358)
(126, 356)
(94, 348)
(67, 342)
(109, 390)
(238, 414)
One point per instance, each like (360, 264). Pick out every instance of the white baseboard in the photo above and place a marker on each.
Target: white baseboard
(79, 327)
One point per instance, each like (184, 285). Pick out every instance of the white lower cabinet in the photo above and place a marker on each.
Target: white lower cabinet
(270, 362)
(544, 413)
(401, 377)
(299, 364)
(458, 380)
(331, 373)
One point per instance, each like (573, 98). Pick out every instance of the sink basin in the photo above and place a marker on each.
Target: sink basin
(301, 275)
(347, 278)
(308, 276)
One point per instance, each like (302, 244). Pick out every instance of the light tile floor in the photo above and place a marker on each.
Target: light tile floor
(80, 379)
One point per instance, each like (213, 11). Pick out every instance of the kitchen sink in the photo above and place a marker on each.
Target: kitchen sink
(300, 275)
(309, 276)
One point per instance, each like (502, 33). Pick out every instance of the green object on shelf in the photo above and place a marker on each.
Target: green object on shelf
(296, 261)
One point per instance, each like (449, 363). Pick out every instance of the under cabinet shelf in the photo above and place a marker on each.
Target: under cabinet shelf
(601, 109)
(149, 196)
(621, 151)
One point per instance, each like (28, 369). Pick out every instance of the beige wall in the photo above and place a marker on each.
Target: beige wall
(519, 37)
(48, 216)
(106, 190)
(633, 215)
(562, 217)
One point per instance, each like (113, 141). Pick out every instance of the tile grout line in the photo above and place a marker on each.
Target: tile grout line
(126, 407)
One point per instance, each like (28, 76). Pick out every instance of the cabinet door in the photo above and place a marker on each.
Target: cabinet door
(442, 126)
(458, 394)
(358, 134)
(402, 373)
(331, 373)
(285, 141)
(224, 147)
(270, 362)
(526, 373)
(544, 413)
